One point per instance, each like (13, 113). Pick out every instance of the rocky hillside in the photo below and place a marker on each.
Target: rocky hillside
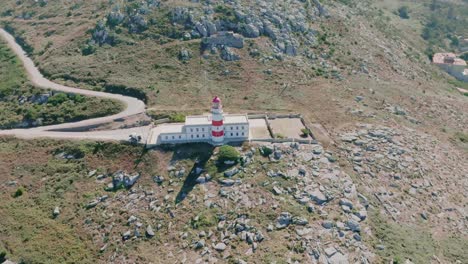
(378, 196)
(390, 187)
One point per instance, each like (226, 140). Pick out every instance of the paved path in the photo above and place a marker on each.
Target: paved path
(133, 106)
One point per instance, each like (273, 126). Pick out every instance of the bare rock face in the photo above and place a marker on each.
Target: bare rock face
(250, 31)
(228, 54)
(228, 39)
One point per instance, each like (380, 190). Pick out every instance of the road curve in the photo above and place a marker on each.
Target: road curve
(133, 106)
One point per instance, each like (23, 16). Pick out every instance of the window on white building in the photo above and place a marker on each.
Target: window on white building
(173, 137)
(242, 133)
(203, 129)
(237, 128)
(180, 137)
(242, 127)
(197, 129)
(237, 134)
(232, 134)
(192, 136)
(167, 137)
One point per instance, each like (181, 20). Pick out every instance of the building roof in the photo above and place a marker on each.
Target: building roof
(206, 119)
(216, 100)
(198, 120)
(170, 128)
(235, 119)
(448, 58)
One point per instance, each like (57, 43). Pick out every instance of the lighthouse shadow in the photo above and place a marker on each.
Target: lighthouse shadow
(201, 158)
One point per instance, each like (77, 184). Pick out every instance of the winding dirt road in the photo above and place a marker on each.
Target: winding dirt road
(133, 106)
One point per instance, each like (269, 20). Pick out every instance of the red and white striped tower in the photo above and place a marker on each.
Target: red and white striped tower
(217, 126)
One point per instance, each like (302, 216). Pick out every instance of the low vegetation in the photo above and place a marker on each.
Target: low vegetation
(413, 242)
(462, 137)
(22, 105)
(228, 153)
(446, 21)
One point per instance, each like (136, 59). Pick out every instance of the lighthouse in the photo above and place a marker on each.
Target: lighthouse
(217, 126)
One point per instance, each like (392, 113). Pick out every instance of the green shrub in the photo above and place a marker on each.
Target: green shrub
(228, 153)
(403, 12)
(18, 192)
(305, 132)
(177, 118)
(88, 49)
(279, 135)
(464, 56)
(57, 99)
(266, 151)
(463, 137)
(2, 256)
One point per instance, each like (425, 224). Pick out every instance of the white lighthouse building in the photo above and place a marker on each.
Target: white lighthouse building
(216, 128)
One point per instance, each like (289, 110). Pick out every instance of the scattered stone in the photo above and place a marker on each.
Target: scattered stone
(362, 214)
(380, 247)
(200, 180)
(184, 55)
(353, 226)
(200, 244)
(158, 179)
(357, 237)
(327, 224)
(92, 204)
(346, 202)
(149, 231)
(11, 183)
(127, 235)
(131, 219)
(227, 182)
(277, 190)
(338, 258)
(303, 231)
(283, 220)
(220, 247)
(91, 173)
(231, 172)
(330, 251)
(300, 221)
(56, 211)
(318, 197)
(424, 215)
(277, 154)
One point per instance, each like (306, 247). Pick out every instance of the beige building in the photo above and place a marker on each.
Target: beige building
(452, 64)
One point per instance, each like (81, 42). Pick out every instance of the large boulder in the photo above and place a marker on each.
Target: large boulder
(201, 29)
(228, 54)
(231, 172)
(228, 39)
(284, 220)
(250, 31)
(318, 197)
